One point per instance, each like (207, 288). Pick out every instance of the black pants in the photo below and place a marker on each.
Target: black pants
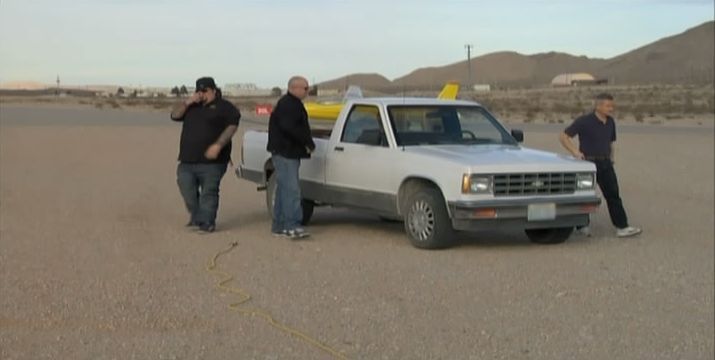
(608, 182)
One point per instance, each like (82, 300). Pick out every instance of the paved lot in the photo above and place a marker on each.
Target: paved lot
(96, 264)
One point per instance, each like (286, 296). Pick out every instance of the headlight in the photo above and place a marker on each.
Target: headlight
(476, 184)
(584, 181)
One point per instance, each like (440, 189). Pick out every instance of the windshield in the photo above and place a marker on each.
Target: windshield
(446, 124)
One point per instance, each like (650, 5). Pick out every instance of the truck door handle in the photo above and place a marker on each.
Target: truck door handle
(339, 148)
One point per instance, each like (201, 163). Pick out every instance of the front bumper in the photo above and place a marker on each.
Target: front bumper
(514, 213)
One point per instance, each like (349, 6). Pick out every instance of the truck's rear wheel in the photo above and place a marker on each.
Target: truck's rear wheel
(307, 205)
(549, 236)
(427, 222)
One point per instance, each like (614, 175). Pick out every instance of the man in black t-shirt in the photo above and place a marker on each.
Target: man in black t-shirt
(596, 133)
(209, 122)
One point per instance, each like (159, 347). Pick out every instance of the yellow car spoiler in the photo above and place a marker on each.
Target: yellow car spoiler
(320, 111)
(449, 91)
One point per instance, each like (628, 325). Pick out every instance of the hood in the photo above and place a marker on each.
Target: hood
(502, 158)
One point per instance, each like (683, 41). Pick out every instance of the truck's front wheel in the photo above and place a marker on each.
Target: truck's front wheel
(427, 222)
(306, 205)
(549, 236)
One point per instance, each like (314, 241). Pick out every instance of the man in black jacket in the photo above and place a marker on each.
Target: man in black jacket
(209, 122)
(289, 140)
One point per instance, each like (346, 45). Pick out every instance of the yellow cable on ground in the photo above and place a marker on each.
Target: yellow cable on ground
(244, 297)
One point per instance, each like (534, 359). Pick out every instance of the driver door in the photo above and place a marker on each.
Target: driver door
(358, 165)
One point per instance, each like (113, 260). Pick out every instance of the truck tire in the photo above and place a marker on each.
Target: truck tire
(427, 222)
(549, 236)
(307, 205)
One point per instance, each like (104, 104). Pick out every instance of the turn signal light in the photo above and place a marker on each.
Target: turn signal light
(589, 208)
(485, 213)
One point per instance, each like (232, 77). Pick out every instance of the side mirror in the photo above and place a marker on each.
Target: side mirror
(518, 135)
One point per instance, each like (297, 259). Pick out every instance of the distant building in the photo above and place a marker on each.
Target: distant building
(481, 87)
(156, 91)
(128, 91)
(328, 92)
(244, 89)
(576, 79)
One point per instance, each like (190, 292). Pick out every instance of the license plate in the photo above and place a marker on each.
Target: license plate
(541, 212)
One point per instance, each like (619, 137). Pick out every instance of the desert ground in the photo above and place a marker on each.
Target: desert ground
(639, 104)
(96, 263)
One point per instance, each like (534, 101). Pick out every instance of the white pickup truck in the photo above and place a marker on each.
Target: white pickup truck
(440, 166)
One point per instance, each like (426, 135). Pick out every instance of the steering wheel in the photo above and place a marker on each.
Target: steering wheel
(468, 132)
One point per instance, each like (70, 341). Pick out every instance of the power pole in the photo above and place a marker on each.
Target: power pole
(469, 48)
(57, 92)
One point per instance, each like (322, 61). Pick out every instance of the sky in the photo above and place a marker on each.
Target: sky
(170, 42)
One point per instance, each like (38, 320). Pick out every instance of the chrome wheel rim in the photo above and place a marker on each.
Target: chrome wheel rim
(421, 220)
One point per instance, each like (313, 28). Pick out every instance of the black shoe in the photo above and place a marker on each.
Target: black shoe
(192, 223)
(207, 228)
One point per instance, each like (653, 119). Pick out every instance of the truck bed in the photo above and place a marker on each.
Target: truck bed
(315, 133)
(321, 133)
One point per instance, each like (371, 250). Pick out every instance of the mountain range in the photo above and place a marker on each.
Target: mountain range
(686, 58)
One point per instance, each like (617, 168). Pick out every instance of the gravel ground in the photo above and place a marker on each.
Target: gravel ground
(96, 263)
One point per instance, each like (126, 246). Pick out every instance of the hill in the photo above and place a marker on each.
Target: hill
(365, 81)
(686, 58)
(681, 59)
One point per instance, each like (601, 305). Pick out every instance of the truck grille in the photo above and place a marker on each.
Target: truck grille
(534, 184)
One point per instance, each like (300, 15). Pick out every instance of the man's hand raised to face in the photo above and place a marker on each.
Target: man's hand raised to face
(193, 99)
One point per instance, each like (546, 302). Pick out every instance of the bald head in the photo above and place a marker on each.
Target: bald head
(298, 87)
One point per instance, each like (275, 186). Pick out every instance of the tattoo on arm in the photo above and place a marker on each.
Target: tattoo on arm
(226, 135)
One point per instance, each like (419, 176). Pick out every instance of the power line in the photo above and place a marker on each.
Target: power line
(469, 48)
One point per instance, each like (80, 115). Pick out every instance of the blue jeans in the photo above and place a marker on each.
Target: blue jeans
(199, 186)
(287, 209)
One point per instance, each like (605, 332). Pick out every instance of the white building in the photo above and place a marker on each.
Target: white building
(481, 87)
(574, 79)
(244, 89)
(328, 92)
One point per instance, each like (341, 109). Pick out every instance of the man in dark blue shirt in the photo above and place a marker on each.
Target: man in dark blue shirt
(209, 122)
(596, 134)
